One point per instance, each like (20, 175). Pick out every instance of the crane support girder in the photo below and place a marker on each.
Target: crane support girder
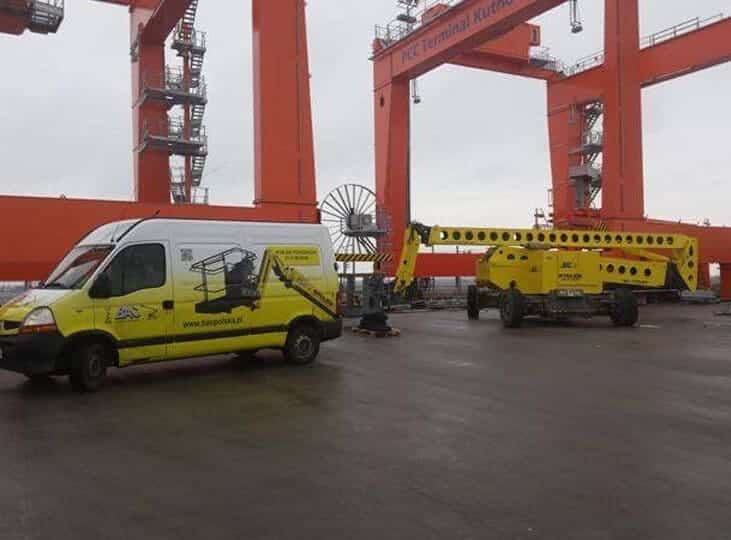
(36, 245)
(676, 57)
(165, 16)
(490, 62)
(695, 51)
(464, 27)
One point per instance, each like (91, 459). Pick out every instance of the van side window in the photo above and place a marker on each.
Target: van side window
(137, 268)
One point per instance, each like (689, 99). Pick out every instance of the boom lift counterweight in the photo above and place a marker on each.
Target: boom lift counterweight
(559, 274)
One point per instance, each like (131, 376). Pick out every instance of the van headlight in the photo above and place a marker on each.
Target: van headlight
(39, 321)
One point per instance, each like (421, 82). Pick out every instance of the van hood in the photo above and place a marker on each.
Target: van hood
(16, 309)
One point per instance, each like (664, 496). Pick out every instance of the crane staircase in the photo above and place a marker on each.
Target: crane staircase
(587, 175)
(184, 88)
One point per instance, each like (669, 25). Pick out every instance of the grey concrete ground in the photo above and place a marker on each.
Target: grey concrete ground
(454, 430)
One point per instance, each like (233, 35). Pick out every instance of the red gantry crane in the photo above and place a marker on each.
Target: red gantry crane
(607, 87)
(284, 151)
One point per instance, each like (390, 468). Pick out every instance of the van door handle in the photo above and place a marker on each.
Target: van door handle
(168, 304)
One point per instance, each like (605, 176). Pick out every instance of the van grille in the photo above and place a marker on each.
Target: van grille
(10, 325)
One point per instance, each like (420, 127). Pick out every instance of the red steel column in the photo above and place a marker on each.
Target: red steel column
(564, 128)
(151, 167)
(726, 281)
(704, 275)
(623, 189)
(283, 139)
(392, 114)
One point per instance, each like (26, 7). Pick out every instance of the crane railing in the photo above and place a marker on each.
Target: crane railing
(597, 59)
(399, 28)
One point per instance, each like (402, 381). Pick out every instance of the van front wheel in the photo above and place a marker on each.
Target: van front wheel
(89, 364)
(303, 345)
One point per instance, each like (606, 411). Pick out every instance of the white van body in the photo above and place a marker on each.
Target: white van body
(160, 289)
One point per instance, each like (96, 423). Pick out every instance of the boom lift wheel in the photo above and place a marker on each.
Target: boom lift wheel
(89, 362)
(473, 303)
(512, 308)
(625, 310)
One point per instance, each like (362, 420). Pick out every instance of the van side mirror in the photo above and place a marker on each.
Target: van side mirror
(102, 287)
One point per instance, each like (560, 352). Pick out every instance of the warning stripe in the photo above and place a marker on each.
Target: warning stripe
(364, 257)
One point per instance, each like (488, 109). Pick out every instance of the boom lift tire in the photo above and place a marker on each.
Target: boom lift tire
(303, 345)
(625, 310)
(512, 308)
(473, 303)
(89, 362)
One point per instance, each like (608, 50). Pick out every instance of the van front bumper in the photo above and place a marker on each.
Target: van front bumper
(33, 355)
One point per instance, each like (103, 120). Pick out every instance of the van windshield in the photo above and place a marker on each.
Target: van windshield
(77, 267)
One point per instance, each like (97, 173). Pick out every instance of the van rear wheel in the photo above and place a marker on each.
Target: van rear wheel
(303, 345)
(89, 362)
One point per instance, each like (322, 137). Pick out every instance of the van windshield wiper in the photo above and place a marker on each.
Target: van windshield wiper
(55, 285)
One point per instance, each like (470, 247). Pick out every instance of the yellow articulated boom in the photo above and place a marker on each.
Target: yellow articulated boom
(559, 274)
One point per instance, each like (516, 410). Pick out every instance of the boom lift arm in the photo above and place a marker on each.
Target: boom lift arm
(655, 260)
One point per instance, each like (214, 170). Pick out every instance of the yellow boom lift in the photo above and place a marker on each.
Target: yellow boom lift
(557, 274)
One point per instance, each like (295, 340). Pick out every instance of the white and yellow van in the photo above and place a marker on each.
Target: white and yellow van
(151, 290)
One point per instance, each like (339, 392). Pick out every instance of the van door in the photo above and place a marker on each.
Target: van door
(139, 313)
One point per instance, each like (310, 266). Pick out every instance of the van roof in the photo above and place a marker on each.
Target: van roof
(113, 232)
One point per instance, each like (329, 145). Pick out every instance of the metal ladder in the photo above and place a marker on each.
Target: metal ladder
(190, 45)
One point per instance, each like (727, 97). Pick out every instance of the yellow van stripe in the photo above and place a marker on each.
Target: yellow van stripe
(185, 338)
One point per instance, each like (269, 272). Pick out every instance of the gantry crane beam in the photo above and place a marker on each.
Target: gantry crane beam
(45, 228)
(510, 54)
(490, 62)
(671, 59)
(154, 19)
(464, 27)
(692, 52)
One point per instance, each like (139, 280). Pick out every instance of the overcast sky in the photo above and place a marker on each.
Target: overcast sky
(480, 139)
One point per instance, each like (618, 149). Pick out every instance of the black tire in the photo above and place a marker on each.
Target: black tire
(303, 345)
(473, 303)
(625, 310)
(512, 309)
(89, 363)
